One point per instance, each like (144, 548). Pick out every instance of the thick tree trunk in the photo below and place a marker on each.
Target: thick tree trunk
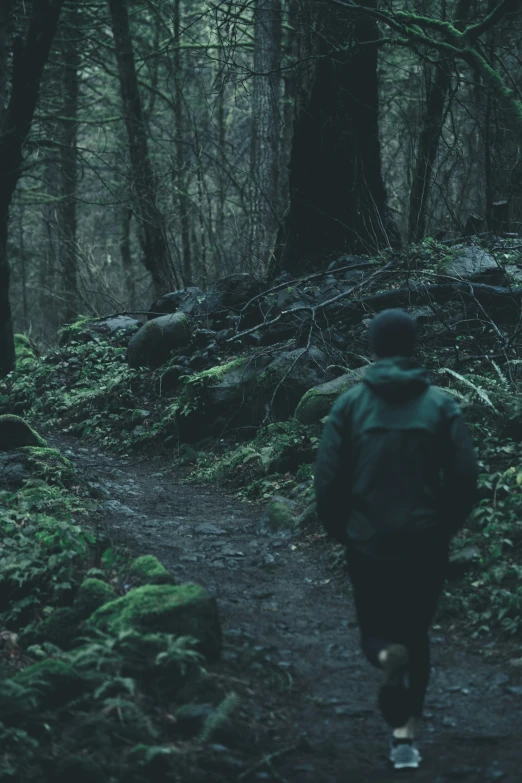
(427, 150)
(290, 51)
(29, 58)
(266, 123)
(151, 225)
(429, 137)
(181, 178)
(337, 194)
(69, 171)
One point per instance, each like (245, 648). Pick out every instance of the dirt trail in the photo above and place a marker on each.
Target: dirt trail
(290, 633)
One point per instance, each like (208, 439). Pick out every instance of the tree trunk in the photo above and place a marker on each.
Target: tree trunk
(427, 150)
(69, 170)
(289, 81)
(151, 225)
(126, 257)
(429, 137)
(184, 205)
(266, 123)
(337, 194)
(29, 58)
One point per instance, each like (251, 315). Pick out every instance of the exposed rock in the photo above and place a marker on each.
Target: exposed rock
(279, 515)
(190, 301)
(14, 470)
(119, 323)
(182, 610)
(15, 432)
(317, 401)
(153, 344)
(229, 391)
(473, 263)
(230, 294)
(147, 570)
(294, 372)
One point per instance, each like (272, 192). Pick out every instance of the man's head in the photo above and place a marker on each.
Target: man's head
(393, 333)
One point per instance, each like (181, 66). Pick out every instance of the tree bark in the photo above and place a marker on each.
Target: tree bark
(427, 150)
(266, 123)
(429, 137)
(126, 256)
(337, 194)
(180, 178)
(151, 225)
(29, 58)
(69, 169)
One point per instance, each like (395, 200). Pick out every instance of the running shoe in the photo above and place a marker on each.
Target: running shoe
(394, 696)
(404, 754)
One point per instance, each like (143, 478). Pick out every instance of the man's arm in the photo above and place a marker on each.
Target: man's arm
(460, 472)
(331, 472)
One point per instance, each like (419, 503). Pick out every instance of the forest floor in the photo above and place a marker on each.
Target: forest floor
(291, 642)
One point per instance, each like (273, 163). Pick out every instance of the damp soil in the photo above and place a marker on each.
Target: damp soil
(291, 642)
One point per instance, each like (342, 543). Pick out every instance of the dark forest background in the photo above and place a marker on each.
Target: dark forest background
(151, 145)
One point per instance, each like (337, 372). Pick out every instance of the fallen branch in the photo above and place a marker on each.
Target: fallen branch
(310, 308)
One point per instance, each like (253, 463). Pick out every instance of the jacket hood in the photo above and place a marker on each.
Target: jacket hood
(397, 378)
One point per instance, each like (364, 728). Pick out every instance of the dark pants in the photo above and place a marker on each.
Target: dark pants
(396, 601)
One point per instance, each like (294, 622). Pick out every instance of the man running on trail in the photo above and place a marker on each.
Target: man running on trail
(395, 479)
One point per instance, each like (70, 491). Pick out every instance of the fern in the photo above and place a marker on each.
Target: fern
(219, 716)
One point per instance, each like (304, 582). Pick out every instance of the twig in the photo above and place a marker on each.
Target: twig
(314, 276)
(309, 308)
(268, 759)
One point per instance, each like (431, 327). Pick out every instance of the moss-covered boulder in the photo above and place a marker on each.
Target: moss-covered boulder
(154, 343)
(92, 594)
(15, 432)
(49, 465)
(182, 610)
(279, 515)
(227, 395)
(317, 401)
(55, 682)
(147, 570)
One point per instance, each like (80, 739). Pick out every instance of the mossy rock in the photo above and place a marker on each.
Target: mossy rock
(15, 432)
(56, 682)
(49, 464)
(92, 594)
(317, 401)
(181, 610)
(279, 515)
(147, 570)
(152, 345)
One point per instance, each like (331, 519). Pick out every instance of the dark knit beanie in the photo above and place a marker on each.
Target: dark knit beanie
(393, 333)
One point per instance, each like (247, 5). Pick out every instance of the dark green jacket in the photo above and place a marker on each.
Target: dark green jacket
(395, 457)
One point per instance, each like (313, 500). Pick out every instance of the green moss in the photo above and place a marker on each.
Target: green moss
(315, 404)
(24, 351)
(279, 515)
(181, 610)
(147, 570)
(216, 373)
(72, 331)
(15, 432)
(93, 594)
(49, 464)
